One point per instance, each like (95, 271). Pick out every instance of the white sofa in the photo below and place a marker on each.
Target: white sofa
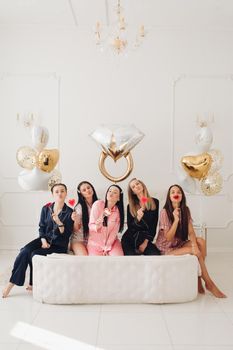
(67, 279)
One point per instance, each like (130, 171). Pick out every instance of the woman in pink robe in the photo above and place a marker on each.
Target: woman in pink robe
(106, 221)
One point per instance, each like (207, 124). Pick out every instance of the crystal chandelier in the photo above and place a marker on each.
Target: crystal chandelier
(116, 38)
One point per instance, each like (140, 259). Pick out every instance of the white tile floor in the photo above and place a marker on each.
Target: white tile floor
(204, 324)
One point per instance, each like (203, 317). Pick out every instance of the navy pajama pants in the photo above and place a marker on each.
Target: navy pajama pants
(24, 259)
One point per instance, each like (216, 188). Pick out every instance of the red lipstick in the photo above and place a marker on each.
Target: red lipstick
(176, 196)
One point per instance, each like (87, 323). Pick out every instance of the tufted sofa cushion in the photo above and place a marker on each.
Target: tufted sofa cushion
(67, 279)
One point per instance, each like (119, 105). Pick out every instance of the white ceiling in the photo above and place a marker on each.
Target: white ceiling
(85, 13)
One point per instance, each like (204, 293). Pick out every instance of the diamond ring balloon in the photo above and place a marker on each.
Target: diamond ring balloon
(116, 142)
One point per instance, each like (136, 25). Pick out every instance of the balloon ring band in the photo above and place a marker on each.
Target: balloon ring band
(103, 170)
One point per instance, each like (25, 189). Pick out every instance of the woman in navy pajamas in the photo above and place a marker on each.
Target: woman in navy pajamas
(55, 228)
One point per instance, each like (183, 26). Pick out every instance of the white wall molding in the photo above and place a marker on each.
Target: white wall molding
(74, 16)
(220, 227)
(15, 194)
(201, 197)
(228, 177)
(18, 217)
(47, 75)
(175, 82)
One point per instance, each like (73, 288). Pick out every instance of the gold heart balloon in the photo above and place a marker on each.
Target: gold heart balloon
(47, 159)
(197, 166)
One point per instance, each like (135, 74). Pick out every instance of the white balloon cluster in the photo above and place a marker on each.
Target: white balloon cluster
(204, 167)
(38, 163)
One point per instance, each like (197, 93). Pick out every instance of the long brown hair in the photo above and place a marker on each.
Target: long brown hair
(182, 228)
(134, 203)
(120, 206)
(83, 203)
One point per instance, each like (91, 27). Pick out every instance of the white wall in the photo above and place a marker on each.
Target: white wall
(178, 74)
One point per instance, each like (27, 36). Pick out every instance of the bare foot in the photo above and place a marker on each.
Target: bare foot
(29, 288)
(201, 289)
(7, 290)
(214, 290)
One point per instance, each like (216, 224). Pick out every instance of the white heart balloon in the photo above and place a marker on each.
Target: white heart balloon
(34, 180)
(204, 139)
(40, 137)
(187, 183)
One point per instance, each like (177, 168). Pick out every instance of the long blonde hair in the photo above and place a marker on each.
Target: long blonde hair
(134, 203)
